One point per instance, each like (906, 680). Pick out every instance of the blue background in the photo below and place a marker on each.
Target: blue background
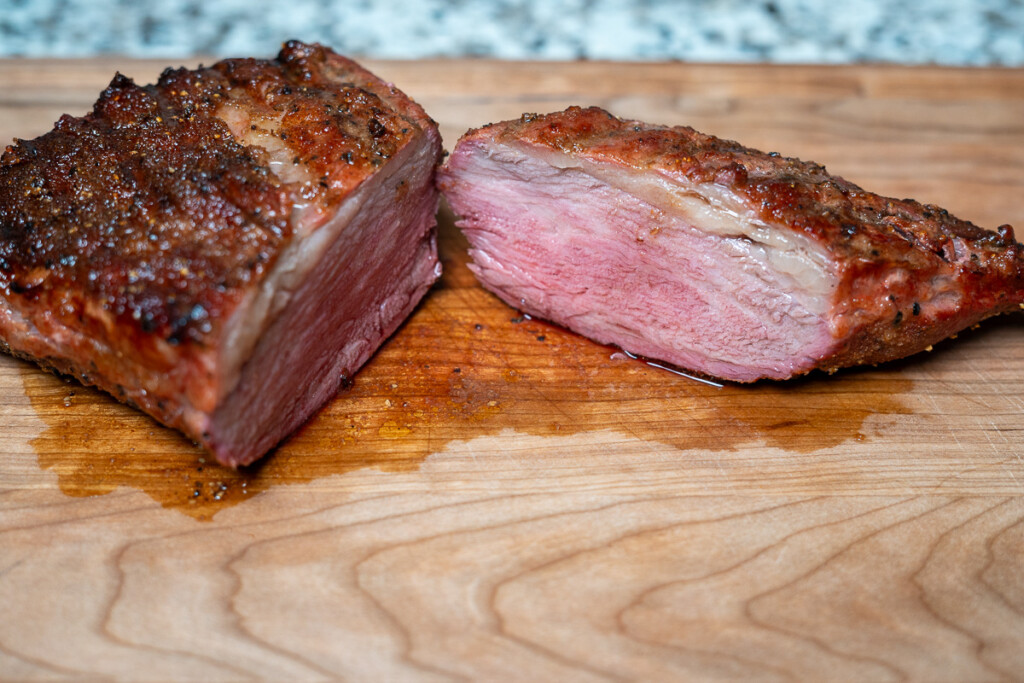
(959, 32)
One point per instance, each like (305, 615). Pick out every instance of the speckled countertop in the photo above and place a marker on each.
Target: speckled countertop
(960, 32)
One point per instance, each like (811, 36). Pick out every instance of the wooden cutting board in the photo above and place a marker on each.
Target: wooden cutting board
(498, 499)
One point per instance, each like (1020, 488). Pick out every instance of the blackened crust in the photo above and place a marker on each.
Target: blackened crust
(150, 210)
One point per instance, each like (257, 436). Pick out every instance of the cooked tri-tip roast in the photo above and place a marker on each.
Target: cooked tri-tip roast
(717, 258)
(224, 248)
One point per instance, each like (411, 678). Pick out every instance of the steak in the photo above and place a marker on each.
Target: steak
(720, 259)
(225, 248)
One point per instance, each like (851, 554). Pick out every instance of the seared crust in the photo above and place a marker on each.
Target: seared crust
(150, 210)
(889, 254)
(144, 208)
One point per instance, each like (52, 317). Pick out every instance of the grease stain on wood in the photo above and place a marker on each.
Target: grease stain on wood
(464, 365)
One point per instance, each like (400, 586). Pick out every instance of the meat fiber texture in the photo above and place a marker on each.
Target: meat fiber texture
(717, 258)
(225, 248)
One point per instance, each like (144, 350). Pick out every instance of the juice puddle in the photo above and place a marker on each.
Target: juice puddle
(464, 365)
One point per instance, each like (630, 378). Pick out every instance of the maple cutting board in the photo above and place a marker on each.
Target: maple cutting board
(498, 499)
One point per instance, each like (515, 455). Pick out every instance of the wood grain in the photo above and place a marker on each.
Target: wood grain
(498, 499)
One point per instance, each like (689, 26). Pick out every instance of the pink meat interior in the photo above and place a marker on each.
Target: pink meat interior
(660, 269)
(379, 259)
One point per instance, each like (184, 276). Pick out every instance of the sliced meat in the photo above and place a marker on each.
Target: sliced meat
(714, 257)
(222, 249)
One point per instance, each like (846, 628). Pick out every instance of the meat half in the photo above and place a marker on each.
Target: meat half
(225, 248)
(714, 257)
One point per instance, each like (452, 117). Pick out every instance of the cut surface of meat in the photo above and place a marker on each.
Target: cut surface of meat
(225, 248)
(717, 258)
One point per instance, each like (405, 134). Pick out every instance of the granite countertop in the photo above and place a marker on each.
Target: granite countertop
(955, 32)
